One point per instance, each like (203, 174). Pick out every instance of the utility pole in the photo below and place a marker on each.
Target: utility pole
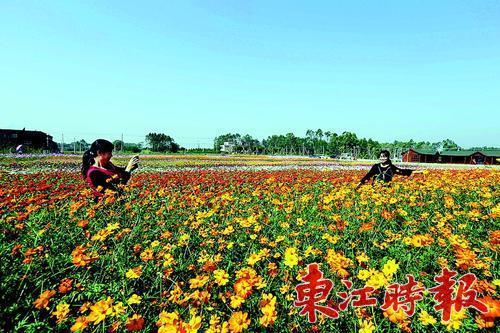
(121, 148)
(74, 145)
(62, 143)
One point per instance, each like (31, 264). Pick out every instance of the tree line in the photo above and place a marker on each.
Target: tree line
(155, 142)
(315, 142)
(319, 142)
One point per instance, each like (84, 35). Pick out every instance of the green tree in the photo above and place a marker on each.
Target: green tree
(233, 139)
(118, 145)
(160, 142)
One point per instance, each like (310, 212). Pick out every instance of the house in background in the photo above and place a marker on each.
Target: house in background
(227, 147)
(30, 140)
(451, 156)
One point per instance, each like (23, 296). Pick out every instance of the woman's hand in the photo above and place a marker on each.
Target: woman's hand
(132, 164)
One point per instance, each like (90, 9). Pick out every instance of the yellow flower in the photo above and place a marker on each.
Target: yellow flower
(134, 299)
(167, 318)
(221, 277)
(112, 226)
(253, 259)
(456, 319)
(309, 251)
(194, 324)
(362, 258)
(100, 310)
(238, 322)
(284, 289)
(169, 260)
(268, 308)
(61, 312)
(101, 235)
(426, 319)
(364, 274)
(330, 238)
(366, 326)
(390, 268)
(183, 240)
(377, 280)
(118, 309)
(291, 257)
(134, 273)
(198, 282)
(236, 301)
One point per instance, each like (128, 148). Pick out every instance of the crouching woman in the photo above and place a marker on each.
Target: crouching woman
(100, 173)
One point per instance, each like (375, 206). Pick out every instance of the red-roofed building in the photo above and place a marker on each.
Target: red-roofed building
(450, 156)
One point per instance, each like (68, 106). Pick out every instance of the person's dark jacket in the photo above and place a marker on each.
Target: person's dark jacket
(385, 174)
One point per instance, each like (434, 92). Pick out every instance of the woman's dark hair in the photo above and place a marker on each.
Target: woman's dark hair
(386, 153)
(99, 145)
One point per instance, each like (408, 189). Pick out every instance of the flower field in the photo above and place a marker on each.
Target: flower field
(154, 163)
(222, 251)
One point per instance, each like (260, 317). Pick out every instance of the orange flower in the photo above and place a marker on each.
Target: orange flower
(495, 237)
(85, 307)
(366, 226)
(44, 298)
(147, 255)
(395, 316)
(16, 248)
(82, 223)
(135, 323)
(484, 322)
(243, 288)
(338, 263)
(65, 285)
(493, 306)
(114, 327)
(80, 258)
(80, 324)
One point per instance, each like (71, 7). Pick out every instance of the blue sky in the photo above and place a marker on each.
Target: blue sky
(392, 70)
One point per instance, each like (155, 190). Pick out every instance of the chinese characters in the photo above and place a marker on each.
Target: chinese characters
(448, 293)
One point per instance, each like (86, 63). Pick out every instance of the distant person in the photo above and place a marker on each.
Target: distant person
(385, 170)
(19, 149)
(100, 173)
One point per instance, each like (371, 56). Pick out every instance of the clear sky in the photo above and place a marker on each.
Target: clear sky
(387, 70)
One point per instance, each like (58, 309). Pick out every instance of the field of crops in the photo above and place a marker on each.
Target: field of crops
(223, 250)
